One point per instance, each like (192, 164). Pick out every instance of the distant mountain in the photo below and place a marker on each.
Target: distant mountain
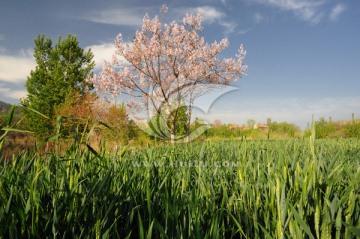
(4, 107)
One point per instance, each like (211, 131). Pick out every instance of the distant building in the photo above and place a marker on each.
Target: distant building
(234, 126)
(242, 127)
(260, 126)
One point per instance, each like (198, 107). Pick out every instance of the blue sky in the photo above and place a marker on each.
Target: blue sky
(303, 56)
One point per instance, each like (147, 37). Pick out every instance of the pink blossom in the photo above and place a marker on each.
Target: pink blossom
(165, 61)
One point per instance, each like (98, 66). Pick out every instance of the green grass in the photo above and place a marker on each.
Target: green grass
(228, 189)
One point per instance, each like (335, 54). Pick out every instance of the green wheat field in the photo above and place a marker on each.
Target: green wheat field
(227, 189)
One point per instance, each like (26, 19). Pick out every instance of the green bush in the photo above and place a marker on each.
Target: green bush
(353, 130)
(324, 129)
(283, 127)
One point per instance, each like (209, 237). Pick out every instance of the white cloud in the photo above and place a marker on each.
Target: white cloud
(123, 16)
(258, 17)
(102, 52)
(229, 26)
(337, 11)
(14, 71)
(306, 10)
(134, 16)
(16, 68)
(14, 94)
(210, 15)
(242, 32)
(3, 88)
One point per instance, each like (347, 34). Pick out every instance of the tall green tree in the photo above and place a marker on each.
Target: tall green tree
(60, 67)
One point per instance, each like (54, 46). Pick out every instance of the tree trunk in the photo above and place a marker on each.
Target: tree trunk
(188, 121)
(172, 138)
(172, 129)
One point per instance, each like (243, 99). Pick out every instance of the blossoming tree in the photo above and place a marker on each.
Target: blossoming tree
(166, 65)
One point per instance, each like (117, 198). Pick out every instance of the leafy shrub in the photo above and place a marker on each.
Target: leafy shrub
(283, 127)
(353, 130)
(324, 129)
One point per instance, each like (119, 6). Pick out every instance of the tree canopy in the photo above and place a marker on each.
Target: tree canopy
(60, 68)
(167, 64)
